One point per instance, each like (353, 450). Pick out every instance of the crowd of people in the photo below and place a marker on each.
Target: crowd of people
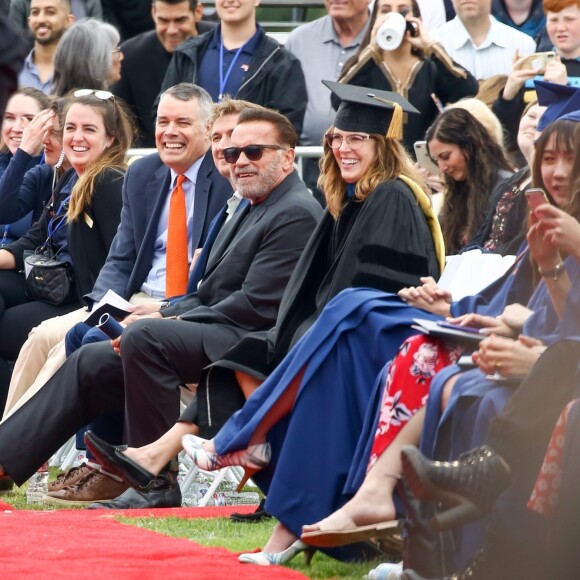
(285, 304)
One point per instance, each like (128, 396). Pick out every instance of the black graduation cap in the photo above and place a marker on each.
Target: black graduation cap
(560, 100)
(370, 110)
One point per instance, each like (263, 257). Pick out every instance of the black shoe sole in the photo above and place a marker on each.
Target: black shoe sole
(253, 518)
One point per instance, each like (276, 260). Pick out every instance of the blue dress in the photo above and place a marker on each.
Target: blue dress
(315, 453)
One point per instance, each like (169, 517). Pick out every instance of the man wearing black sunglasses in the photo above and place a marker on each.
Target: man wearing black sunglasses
(246, 274)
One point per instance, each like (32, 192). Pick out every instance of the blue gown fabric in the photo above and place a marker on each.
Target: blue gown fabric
(475, 401)
(317, 458)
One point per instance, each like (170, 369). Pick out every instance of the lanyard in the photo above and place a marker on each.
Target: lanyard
(5, 235)
(224, 80)
(57, 221)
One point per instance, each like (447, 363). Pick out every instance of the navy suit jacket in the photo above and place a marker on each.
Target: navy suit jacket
(145, 188)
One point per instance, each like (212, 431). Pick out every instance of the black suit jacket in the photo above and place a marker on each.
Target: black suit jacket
(249, 267)
(145, 189)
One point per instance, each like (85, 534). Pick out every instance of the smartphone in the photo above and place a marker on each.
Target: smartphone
(539, 60)
(536, 197)
(424, 159)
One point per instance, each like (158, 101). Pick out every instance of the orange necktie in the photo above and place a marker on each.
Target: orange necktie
(177, 271)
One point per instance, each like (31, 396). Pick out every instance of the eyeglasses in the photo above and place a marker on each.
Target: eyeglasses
(116, 50)
(103, 95)
(354, 141)
(252, 152)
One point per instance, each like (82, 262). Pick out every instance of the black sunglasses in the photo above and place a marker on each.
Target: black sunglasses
(252, 152)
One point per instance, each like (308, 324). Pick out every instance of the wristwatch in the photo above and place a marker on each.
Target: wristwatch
(165, 304)
(554, 273)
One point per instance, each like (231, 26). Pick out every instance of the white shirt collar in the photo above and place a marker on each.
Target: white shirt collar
(461, 36)
(191, 173)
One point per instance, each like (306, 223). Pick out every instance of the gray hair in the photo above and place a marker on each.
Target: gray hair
(188, 92)
(84, 56)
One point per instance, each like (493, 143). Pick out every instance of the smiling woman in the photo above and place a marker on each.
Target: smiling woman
(77, 225)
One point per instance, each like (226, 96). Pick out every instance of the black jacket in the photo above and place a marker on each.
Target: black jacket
(89, 238)
(274, 78)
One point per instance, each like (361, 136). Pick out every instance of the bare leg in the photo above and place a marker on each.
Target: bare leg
(280, 539)
(155, 456)
(373, 502)
(247, 383)
(282, 407)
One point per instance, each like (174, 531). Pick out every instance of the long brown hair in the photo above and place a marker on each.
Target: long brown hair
(120, 127)
(466, 201)
(390, 162)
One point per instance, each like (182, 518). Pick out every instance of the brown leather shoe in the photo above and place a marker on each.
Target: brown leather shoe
(70, 476)
(95, 486)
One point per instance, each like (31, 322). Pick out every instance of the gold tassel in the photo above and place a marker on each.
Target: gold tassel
(396, 127)
(395, 130)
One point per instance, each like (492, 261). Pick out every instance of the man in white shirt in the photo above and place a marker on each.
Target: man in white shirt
(478, 42)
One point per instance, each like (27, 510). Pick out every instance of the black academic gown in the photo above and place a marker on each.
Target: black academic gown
(388, 246)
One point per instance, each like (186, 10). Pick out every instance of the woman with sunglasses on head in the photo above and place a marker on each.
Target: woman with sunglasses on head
(418, 69)
(78, 224)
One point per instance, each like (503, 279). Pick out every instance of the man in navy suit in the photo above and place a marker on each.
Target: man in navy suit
(135, 266)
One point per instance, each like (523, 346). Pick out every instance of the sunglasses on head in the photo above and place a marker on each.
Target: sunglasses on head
(252, 152)
(103, 95)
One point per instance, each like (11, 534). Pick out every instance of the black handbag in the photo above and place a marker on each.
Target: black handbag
(48, 279)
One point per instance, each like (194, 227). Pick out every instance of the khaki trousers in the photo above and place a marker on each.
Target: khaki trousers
(43, 354)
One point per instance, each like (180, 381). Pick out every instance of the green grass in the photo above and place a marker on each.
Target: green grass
(221, 532)
(238, 537)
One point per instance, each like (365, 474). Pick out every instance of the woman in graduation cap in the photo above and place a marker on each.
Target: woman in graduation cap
(379, 232)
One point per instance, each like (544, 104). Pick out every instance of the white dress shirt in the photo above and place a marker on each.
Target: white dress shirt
(494, 56)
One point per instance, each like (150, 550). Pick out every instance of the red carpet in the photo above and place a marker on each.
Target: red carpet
(91, 544)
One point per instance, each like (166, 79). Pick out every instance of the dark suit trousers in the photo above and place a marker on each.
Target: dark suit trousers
(157, 356)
